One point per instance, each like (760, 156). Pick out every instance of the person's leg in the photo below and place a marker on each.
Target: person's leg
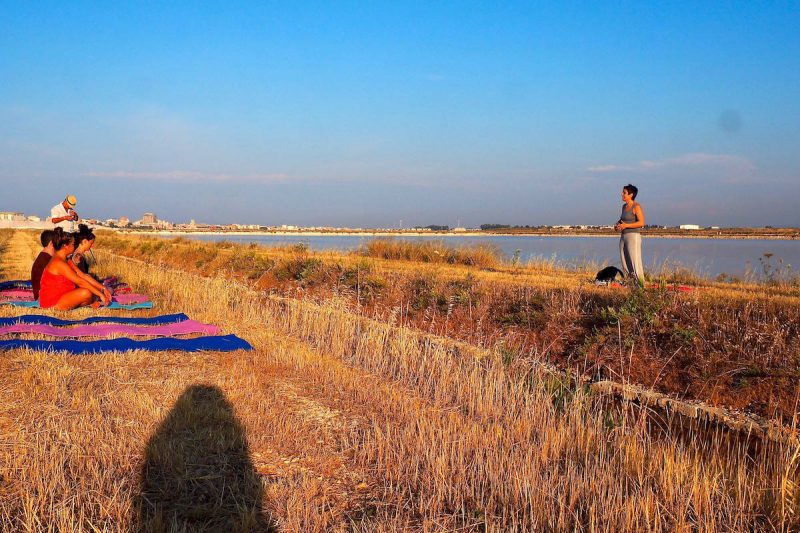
(73, 299)
(623, 256)
(636, 256)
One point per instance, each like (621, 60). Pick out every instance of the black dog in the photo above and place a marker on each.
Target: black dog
(609, 274)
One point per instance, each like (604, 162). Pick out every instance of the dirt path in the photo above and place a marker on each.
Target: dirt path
(18, 255)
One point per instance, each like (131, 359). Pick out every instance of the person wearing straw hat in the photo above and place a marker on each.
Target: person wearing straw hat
(63, 215)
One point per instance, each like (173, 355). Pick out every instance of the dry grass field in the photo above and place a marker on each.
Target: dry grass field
(734, 345)
(374, 403)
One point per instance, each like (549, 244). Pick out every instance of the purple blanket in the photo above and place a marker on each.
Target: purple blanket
(107, 330)
(27, 295)
(17, 294)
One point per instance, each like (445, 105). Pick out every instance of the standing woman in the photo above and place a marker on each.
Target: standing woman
(630, 243)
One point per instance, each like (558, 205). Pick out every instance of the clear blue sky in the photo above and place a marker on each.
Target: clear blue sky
(366, 113)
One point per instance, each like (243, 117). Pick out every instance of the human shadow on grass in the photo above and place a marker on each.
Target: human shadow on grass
(197, 474)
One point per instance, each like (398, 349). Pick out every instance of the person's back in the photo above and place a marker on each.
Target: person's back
(53, 286)
(41, 261)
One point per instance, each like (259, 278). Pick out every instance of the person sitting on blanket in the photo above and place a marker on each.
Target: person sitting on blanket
(84, 236)
(63, 286)
(41, 261)
(84, 240)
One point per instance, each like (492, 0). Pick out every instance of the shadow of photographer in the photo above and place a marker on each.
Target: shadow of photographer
(197, 474)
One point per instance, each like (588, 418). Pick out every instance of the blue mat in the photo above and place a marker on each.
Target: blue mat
(53, 321)
(15, 284)
(225, 343)
(34, 304)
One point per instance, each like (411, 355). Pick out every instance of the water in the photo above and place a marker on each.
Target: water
(707, 257)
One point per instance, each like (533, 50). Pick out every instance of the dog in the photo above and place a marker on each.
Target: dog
(608, 275)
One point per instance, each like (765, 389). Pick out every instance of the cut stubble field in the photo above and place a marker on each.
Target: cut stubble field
(353, 414)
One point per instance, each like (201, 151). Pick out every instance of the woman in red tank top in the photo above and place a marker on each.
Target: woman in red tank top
(61, 287)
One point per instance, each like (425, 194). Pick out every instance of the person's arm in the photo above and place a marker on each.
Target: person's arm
(639, 223)
(89, 279)
(64, 269)
(55, 218)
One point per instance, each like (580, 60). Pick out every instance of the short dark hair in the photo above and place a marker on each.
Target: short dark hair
(83, 234)
(632, 190)
(46, 237)
(61, 238)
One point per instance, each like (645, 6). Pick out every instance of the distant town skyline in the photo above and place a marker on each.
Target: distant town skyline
(362, 115)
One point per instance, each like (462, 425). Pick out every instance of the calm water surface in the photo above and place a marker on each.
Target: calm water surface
(708, 257)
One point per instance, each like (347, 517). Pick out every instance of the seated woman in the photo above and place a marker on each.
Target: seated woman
(61, 286)
(84, 240)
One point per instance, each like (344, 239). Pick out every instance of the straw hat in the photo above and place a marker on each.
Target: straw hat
(71, 200)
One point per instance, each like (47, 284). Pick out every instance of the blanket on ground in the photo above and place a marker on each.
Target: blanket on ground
(114, 305)
(186, 327)
(53, 321)
(15, 284)
(17, 294)
(26, 295)
(225, 343)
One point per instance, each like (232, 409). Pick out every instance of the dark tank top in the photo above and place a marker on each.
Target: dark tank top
(629, 217)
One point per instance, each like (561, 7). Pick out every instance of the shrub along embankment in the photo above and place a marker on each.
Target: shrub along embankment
(711, 344)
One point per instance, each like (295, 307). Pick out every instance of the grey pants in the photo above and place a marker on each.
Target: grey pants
(630, 253)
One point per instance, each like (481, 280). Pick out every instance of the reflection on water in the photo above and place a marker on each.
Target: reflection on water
(709, 257)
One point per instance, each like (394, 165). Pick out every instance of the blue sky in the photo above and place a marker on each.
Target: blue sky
(357, 113)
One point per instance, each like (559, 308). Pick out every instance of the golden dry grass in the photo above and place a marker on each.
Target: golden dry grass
(486, 256)
(205, 256)
(339, 422)
(731, 345)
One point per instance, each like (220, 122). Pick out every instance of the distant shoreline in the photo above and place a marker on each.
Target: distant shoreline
(649, 235)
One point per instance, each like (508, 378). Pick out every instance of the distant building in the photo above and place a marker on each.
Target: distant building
(689, 226)
(12, 215)
(459, 230)
(123, 222)
(34, 218)
(149, 219)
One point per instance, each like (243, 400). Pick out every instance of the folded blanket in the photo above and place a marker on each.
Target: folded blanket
(226, 343)
(114, 305)
(132, 298)
(115, 284)
(186, 327)
(53, 321)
